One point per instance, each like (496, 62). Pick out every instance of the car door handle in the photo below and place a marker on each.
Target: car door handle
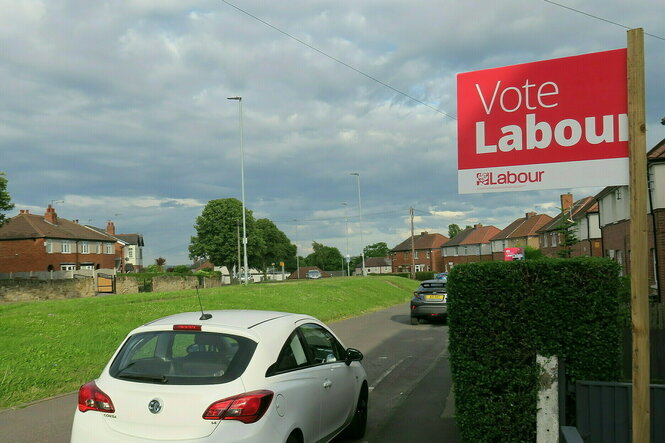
(327, 384)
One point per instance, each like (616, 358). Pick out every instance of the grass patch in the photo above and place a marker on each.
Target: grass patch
(52, 347)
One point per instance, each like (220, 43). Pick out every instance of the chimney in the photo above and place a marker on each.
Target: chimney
(566, 201)
(110, 228)
(424, 233)
(24, 211)
(476, 226)
(530, 214)
(50, 215)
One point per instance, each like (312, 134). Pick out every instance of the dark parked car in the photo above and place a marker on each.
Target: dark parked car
(429, 301)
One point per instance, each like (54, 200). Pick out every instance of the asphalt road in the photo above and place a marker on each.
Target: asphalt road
(407, 369)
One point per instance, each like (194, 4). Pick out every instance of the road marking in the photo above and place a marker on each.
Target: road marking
(387, 373)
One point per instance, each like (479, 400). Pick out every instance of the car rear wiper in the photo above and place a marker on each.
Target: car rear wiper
(153, 378)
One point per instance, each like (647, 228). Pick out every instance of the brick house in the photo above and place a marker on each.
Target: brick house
(128, 246)
(614, 208)
(519, 234)
(375, 265)
(584, 213)
(426, 256)
(469, 246)
(31, 242)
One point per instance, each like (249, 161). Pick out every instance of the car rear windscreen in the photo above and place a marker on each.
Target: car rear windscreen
(182, 357)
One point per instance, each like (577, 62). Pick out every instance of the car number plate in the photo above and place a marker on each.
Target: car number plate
(434, 297)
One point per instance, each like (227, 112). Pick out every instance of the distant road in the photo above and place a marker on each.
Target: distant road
(407, 368)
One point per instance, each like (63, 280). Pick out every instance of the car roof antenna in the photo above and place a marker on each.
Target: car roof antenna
(203, 315)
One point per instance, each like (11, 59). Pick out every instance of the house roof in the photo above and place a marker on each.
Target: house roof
(27, 226)
(579, 210)
(606, 190)
(132, 239)
(657, 153)
(103, 232)
(524, 227)
(423, 241)
(377, 262)
(473, 236)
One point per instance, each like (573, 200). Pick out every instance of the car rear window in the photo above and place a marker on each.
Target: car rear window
(182, 357)
(433, 285)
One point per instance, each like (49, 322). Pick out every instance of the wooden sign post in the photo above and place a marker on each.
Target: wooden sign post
(639, 252)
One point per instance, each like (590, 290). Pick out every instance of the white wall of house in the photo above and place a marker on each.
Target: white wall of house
(657, 176)
(614, 206)
(588, 227)
(133, 254)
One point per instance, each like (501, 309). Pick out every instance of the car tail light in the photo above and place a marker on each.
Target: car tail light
(418, 295)
(248, 407)
(91, 398)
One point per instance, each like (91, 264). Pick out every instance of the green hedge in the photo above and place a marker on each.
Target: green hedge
(424, 275)
(501, 314)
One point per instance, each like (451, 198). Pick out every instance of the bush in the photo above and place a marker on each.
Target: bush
(501, 314)
(181, 270)
(424, 275)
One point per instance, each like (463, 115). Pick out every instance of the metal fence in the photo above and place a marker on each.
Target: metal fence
(603, 412)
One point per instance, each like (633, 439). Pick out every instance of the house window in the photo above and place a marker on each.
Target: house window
(554, 238)
(68, 267)
(130, 252)
(544, 240)
(98, 248)
(108, 248)
(48, 244)
(415, 255)
(466, 250)
(428, 254)
(66, 247)
(87, 266)
(85, 247)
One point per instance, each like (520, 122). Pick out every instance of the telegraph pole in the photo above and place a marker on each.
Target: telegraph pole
(413, 248)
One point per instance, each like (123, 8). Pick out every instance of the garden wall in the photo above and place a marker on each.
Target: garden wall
(29, 290)
(167, 283)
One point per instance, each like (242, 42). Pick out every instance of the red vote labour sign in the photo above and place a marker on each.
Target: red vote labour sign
(558, 123)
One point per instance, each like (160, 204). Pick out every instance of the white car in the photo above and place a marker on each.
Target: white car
(226, 376)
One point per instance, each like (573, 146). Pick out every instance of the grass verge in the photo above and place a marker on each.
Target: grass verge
(52, 347)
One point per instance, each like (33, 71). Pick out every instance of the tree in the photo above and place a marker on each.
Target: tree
(568, 236)
(160, 262)
(278, 247)
(453, 230)
(324, 257)
(218, 230)
(5, 199)
(379, 249)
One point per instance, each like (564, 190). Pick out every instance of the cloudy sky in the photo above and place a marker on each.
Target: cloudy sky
(118, 110)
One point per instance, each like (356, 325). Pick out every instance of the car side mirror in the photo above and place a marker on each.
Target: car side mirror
(353, 355)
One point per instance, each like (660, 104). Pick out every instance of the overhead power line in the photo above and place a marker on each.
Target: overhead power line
(313, 48)
(598, 18)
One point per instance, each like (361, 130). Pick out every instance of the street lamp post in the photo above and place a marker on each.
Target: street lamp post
(242, 191)
(346, 233)
(360, 212)
(297, 256)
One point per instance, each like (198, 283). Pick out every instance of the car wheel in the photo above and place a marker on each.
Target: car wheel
(414, 320)
(357, 427)
(295, 437)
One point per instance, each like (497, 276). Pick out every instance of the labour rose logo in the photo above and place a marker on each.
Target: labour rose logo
(482, 178)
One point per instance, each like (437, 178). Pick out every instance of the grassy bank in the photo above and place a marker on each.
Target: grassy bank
(52, 347)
